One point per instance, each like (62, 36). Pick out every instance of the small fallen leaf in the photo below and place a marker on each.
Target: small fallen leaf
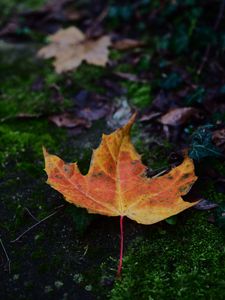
(125, 44)
(150, 116)
(116, 183)
(70, 47)
(69, 121)
(93, 113)
(205, 204)
(178, 116)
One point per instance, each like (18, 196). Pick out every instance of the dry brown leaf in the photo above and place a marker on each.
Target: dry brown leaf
(150, 116)
(125, 44)
(68, 121)
(70, 47)
(205, 204)
(178, 116)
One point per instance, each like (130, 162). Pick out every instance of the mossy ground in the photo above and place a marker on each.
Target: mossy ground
(60, 258)
(73, 255)
(56, 261)
(186, 261)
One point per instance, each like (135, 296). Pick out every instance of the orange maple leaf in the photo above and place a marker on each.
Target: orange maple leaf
(116, 184)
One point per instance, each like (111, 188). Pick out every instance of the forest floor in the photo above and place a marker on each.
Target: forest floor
(172, 72)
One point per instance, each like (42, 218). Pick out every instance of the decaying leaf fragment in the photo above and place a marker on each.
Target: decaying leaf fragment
(116, 184)
(178, 116)
(70, 47)
(68, 120)
(125, 44)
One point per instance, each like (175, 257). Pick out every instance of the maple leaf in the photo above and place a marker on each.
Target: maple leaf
(70, 47)
(116, 184)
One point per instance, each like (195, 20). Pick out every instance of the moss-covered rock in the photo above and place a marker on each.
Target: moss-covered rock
(186, 261)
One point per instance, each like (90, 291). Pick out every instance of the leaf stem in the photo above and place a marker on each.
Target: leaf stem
(121, 248)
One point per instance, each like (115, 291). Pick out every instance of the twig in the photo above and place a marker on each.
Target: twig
(6, 255)
(38, 223)
(30, 213)
(85, 251)
(215, 27)
(21, 116)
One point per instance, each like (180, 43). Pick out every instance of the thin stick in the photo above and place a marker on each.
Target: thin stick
(36, 224)
(121, 248)
(215, 27)
(30, 213)
(6, 255)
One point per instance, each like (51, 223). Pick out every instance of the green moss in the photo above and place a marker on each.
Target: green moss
(88, 77)
(122, 62)
(34, 89)
(182, 262)
(124, 67)
(209, 192)
(22, 142)
(208, 186)
(22, 175)
(7, 6)
(34, 4)
(187, 262)
(115, 55)
(138, 93)
(19, 96)
(219, 166)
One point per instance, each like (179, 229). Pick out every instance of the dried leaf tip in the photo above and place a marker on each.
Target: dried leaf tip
(130, 123)
(45, 152)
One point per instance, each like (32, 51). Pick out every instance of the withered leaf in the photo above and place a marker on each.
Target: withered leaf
(70, 47)
(205, 204)
(125, 44)
(69, 121)
(116, 184)
(178, 116)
